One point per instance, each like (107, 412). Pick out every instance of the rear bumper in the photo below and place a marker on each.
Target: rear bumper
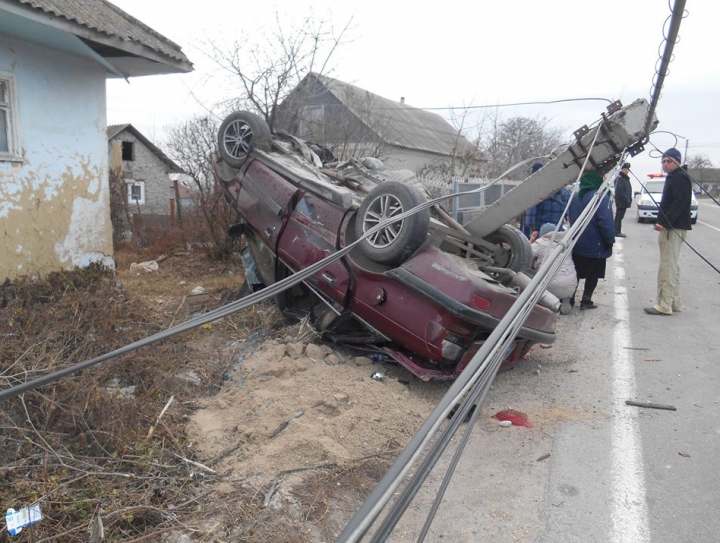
(461, 311)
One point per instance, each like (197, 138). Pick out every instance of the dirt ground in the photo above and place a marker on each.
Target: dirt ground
(289, 399)
(284, 434)
(290, 409)
(293, 409)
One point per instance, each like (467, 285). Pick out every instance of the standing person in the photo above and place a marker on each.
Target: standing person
(673, 223)
(549, 210)
(623, 198)
(594, 246)
(564, 283)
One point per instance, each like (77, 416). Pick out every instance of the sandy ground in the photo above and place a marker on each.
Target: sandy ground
(287, 407)
(290, 405)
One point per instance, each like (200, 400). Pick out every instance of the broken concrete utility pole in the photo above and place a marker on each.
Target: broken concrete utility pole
(621, 128)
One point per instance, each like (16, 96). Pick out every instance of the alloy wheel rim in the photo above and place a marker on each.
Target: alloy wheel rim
(238, 139)
(384, 207)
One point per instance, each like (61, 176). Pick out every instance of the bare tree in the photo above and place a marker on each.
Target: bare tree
(268, 71)
(699, 162)
(192, 145)
(505, 143)
(119, 207)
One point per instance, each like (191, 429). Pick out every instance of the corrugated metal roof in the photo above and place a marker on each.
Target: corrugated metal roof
(115, 129)
(398, 123)
(106, 18)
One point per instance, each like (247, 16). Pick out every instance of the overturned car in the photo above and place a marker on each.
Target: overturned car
(421, 290)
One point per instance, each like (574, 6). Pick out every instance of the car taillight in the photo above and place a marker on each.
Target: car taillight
(452, 351)
(480, 303)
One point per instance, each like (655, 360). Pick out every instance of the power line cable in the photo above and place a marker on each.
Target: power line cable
(671, 227)
(469, 384)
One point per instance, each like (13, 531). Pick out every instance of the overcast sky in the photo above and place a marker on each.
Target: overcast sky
(461, 53)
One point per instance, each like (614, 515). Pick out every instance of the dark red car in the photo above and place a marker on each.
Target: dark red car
(414, 291)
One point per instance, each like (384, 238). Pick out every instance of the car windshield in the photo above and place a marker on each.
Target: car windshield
(654, 186)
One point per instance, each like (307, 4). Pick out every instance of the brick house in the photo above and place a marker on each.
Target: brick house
(149, 190)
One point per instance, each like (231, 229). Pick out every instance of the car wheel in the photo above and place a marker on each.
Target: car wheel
(395, 241)
(517, 253)
(240, 133)
(640, 219)
(693, 221)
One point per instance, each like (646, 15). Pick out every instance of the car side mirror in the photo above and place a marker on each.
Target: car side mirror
(636, 194)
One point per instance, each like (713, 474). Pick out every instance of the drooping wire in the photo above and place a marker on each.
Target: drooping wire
(657, 153)
(685, 241)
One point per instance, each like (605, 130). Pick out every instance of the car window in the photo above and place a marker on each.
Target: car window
(654, 186)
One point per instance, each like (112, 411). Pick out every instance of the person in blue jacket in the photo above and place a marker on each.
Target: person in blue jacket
(594, 246)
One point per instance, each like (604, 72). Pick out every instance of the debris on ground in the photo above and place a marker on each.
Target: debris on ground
(650, 405)
(516, 418)
(144, 267)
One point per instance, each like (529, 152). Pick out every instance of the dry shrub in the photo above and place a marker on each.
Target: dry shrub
(79, 446)
(328, 498)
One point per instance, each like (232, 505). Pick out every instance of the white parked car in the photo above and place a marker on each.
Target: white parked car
(647, 204)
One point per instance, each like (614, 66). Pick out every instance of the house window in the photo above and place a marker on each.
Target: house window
(127, 150)
(136, 192)
(9, 148)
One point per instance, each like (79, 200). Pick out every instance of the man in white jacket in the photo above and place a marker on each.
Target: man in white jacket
(564, 283)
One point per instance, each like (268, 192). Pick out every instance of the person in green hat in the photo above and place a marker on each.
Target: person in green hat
(594, 246)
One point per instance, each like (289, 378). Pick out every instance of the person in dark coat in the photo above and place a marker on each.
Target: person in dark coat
(623, 198)
(550, 210)
(594, 246)
(673, 223)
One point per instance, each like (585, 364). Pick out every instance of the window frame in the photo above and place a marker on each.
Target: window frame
(135, 183)
(130, 146)
(10, 107)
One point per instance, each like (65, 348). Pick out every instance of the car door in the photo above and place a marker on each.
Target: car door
(265, 201)
(311, 234)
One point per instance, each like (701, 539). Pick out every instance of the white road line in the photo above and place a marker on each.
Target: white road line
(709, 226)
(629, 506)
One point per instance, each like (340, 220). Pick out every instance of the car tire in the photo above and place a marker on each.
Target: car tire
(395, 242)
(239, 134)
(518, 252)
(693, 221)
(640, 219)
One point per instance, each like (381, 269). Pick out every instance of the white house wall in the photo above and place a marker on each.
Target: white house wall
(421, 162)
(54, 204)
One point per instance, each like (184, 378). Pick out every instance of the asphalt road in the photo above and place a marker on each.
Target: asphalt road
(615, 473)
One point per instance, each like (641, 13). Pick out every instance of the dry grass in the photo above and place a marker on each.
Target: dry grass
(80, 446)
(94, 446)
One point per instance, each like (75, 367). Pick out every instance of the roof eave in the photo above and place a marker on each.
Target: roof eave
(136, 50)
(172, 167)
(176, 65)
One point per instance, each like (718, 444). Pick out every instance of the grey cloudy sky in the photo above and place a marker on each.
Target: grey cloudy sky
(461, 53)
